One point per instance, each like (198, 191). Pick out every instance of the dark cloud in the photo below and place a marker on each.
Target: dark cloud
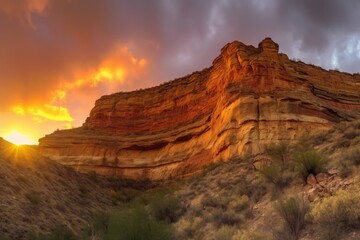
(48, 44)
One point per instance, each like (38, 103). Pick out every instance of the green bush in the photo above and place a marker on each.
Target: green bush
(280, 154)
(292, 211)
(136, 224)
(275, 175)
(33, 197)
(166, 207)
(309, 162)
(271, 173)
(338, 214)
(60, 233)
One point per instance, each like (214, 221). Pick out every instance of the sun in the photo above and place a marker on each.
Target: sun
(18, 138)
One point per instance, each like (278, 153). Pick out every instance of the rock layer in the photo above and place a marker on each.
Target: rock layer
(249, 98)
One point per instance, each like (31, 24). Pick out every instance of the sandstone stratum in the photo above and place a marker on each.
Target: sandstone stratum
(249, 98)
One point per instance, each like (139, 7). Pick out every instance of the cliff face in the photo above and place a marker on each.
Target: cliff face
(249, 98)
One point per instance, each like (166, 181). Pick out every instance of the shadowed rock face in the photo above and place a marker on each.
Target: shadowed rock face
(249, 98)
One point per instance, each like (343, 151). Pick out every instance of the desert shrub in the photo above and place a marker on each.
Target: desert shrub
(353, 155)
(209, 201)
(292, 211)
(135, 223)
(166, 207)
(239, 203)
(248, 235)
(222, 217)
(277, 172)
(3, 236)
(187, 228)
(33, 197)
(101, 223)
(274, 174)
(309, 162)
(59, 233)
(271, 173)
(279, 154)
(255, 189)
(225, 233)
(338, 214)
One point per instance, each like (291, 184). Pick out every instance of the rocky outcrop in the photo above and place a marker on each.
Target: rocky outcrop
(249, 98)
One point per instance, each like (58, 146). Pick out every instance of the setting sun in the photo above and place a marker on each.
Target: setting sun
(18, 138)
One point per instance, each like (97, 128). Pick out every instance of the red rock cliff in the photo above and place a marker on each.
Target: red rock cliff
(248, 98)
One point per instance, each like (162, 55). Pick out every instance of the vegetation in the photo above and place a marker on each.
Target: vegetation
(280, 154)
(33, 197)
(338, 214)
(309, 162)
(232, 200)
(135, 223)
(60, 233)
(292, 211)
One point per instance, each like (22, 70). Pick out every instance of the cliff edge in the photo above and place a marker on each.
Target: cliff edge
(249, 98)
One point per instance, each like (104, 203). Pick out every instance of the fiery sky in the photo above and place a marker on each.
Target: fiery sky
(58, 56)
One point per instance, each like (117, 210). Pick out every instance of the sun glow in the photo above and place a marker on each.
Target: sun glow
(18, 138)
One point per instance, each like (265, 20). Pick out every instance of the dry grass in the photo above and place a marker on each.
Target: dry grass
(38, 195)
(230, 200)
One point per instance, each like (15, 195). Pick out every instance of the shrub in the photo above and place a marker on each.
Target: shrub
(225, 233)
(309, 162)
(101, 222)
(209, 201)
(279, 154)
(59, 233)
(339, 213)
(353, 155)
(292, 211)
(239, 203)
(186, 228)
(226, 217)
(275, 175)
(33, 197)
(136, 224)
(271, 173)
(247, 235)
(166, 207)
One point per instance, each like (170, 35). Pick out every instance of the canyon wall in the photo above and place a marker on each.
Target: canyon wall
(249, 98)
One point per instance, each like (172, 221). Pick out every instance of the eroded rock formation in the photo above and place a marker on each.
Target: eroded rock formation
(250, 97)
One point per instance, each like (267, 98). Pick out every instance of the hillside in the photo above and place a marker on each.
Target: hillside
(39, 195)
(249, 97)
(231, 200)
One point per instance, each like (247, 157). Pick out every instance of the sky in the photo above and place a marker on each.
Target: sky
(58, 56)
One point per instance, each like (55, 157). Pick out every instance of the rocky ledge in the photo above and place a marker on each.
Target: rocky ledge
(249, 98)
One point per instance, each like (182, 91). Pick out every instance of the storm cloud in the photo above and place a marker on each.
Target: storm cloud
(57, 57)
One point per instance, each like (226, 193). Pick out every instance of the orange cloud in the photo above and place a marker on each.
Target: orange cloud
(49, 112)
(114, 68)
(83, 86)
